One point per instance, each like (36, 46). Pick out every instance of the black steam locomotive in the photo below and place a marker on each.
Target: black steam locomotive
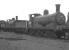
(46, 25)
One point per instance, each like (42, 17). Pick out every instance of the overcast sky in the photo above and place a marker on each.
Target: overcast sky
(22, 8)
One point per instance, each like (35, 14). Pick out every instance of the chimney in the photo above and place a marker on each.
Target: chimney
(57, 7)
(16, 17)
(67, 20)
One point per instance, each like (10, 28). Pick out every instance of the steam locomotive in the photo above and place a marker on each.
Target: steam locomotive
(46, 25)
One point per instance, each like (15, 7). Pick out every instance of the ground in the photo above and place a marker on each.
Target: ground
(12, 41)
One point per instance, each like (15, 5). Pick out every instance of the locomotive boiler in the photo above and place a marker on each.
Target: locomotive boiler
(58, 17)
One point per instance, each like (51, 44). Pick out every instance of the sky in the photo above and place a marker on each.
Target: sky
(22, 8)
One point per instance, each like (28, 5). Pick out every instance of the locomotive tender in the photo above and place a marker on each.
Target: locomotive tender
(53, 25)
